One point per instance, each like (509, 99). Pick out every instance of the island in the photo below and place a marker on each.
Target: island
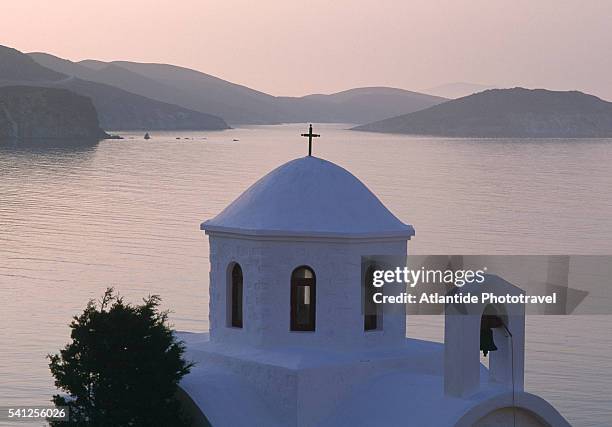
(507, 113)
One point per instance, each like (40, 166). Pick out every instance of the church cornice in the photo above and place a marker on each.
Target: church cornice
(272, 235)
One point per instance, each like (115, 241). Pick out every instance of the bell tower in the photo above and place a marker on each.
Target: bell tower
(466, 330)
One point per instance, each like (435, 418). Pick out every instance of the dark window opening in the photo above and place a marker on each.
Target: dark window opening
(303, 299)
(236, 296)
(371, 310)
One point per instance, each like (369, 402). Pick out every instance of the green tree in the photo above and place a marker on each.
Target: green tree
(122, 367)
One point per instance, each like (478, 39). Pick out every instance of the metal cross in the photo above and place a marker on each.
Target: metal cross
(310, 135)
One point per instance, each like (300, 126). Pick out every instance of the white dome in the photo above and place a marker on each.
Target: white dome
(308, 197)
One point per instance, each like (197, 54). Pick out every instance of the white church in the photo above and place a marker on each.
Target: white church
(290, 345)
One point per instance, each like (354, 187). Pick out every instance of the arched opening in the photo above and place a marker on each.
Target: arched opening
(372, 312)
(511, 416)
(496, 344)
(235, 296)
(303, 299)
(489, 320)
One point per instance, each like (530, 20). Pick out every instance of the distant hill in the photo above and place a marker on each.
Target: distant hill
(235, 103)
(517, 112)
(457, 89)
(36, 112)
(117, 109)
(110, 74)
(362, 105)
(239, 104)
(15, 66)
(121, 110)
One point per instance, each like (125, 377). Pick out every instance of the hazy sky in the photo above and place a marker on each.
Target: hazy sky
(287, 47)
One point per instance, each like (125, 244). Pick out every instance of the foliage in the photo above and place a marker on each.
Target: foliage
(122, 367)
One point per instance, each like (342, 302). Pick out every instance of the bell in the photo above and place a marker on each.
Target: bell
(486, 341)
(487, 323)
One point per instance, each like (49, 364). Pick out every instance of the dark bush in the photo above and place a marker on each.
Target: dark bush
(122, 367)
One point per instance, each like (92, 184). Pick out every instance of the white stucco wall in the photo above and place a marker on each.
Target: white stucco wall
(267, 265)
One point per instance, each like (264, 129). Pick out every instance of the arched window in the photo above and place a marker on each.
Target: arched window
(235, 296)
(303, 299)
(371, 311)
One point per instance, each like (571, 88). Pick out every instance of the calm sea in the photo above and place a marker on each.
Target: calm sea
(126, 213)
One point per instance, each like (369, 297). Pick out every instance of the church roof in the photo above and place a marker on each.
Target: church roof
(309, 197)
